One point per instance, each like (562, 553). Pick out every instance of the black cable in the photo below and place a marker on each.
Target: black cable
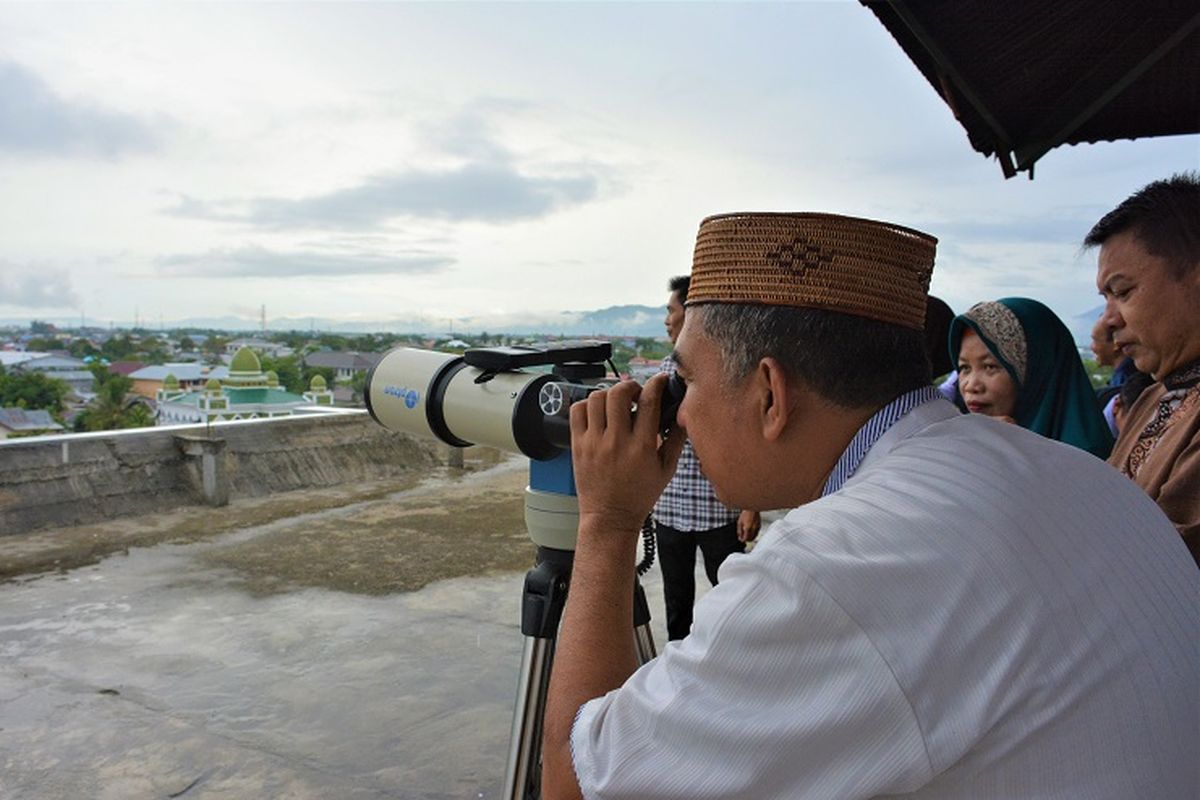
(647, 546)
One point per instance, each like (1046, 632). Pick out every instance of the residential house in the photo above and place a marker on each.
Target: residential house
(73, 371)
(261, 346)
(147, 381)
(345, 363)
(125, 367)
(20, 421)
(10, 358)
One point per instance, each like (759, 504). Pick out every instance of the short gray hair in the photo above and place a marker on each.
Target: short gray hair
(851, 361)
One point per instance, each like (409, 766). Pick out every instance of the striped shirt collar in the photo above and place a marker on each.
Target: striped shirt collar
(869, 434)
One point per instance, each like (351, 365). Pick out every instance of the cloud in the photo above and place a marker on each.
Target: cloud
(467, 135)
(34, 119)
(1062, 226)
(36, 288)
(489, 193)
(259, 262)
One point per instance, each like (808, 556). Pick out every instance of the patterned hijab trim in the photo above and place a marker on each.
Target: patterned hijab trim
(1000, 325)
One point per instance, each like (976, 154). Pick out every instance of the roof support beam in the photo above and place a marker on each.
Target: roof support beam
(952, 76)
(1031, 153)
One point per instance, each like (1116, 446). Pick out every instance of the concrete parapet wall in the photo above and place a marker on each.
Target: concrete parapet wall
(58, 481)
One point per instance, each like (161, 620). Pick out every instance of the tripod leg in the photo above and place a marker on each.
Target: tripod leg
(643, 639)
(522, 779)
(542, 605)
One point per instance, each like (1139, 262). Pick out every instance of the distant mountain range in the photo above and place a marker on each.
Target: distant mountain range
(628, 320)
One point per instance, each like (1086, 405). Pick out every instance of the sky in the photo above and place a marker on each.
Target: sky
(486, 163)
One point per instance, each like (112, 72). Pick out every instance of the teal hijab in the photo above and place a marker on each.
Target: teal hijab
(1054, 396)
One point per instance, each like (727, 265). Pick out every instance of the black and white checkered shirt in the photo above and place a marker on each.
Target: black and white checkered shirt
(689, 503)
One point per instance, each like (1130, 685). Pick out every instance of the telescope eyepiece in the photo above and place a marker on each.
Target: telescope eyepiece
(671, 400)
(556, 398)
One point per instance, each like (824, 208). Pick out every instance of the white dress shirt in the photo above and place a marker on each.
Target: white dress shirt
(978, 613)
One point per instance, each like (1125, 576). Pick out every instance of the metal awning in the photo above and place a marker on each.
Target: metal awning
(1024, 76)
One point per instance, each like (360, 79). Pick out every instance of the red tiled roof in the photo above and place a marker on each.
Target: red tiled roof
(124, 367)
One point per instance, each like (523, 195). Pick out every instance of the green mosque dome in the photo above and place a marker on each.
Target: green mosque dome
(245, 361)
(317, 384)
(272, 378)
(170, 383)
(213, 385)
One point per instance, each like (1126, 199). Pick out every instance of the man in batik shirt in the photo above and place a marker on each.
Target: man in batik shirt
(1149, 275)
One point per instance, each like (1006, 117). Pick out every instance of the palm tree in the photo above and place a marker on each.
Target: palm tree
(112, 408)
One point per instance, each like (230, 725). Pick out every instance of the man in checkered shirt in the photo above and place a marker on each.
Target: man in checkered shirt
(689, 515)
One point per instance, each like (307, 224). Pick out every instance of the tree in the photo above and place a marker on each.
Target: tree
(374, 342)
(32, 390)
(186, 343)
(620, 357)
(289, 371)
(649, 347)
(215, 345)
(43, 344)
(293, 339)
(324, 372)
(117, 348)
(82, 348)
(334, 342)
(358, 386)
(1098, 375)
(152, 350)
(112, 409)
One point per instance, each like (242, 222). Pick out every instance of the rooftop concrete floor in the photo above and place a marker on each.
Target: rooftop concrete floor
(304, 654)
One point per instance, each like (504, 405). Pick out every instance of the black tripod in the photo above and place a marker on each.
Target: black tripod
(552, 519)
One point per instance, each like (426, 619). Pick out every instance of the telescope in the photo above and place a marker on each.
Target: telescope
(515, 399)
(518, 399)
(490, 396)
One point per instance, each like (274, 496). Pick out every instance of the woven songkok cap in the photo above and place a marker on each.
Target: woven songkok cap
(856, 266)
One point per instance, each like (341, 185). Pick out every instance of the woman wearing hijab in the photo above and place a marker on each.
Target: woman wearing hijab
(1017, 361)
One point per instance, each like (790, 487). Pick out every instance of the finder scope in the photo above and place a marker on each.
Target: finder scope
(488, 395)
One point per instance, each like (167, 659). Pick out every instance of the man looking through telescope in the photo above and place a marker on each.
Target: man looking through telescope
(950, 610)
(688, 514)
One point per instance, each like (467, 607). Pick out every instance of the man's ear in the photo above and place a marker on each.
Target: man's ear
(776, 398)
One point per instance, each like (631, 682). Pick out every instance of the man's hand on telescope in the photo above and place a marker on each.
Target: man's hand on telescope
(620, 465)
(621, 468)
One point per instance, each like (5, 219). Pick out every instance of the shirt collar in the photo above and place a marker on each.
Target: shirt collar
(1185, 377)
(869, 434)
